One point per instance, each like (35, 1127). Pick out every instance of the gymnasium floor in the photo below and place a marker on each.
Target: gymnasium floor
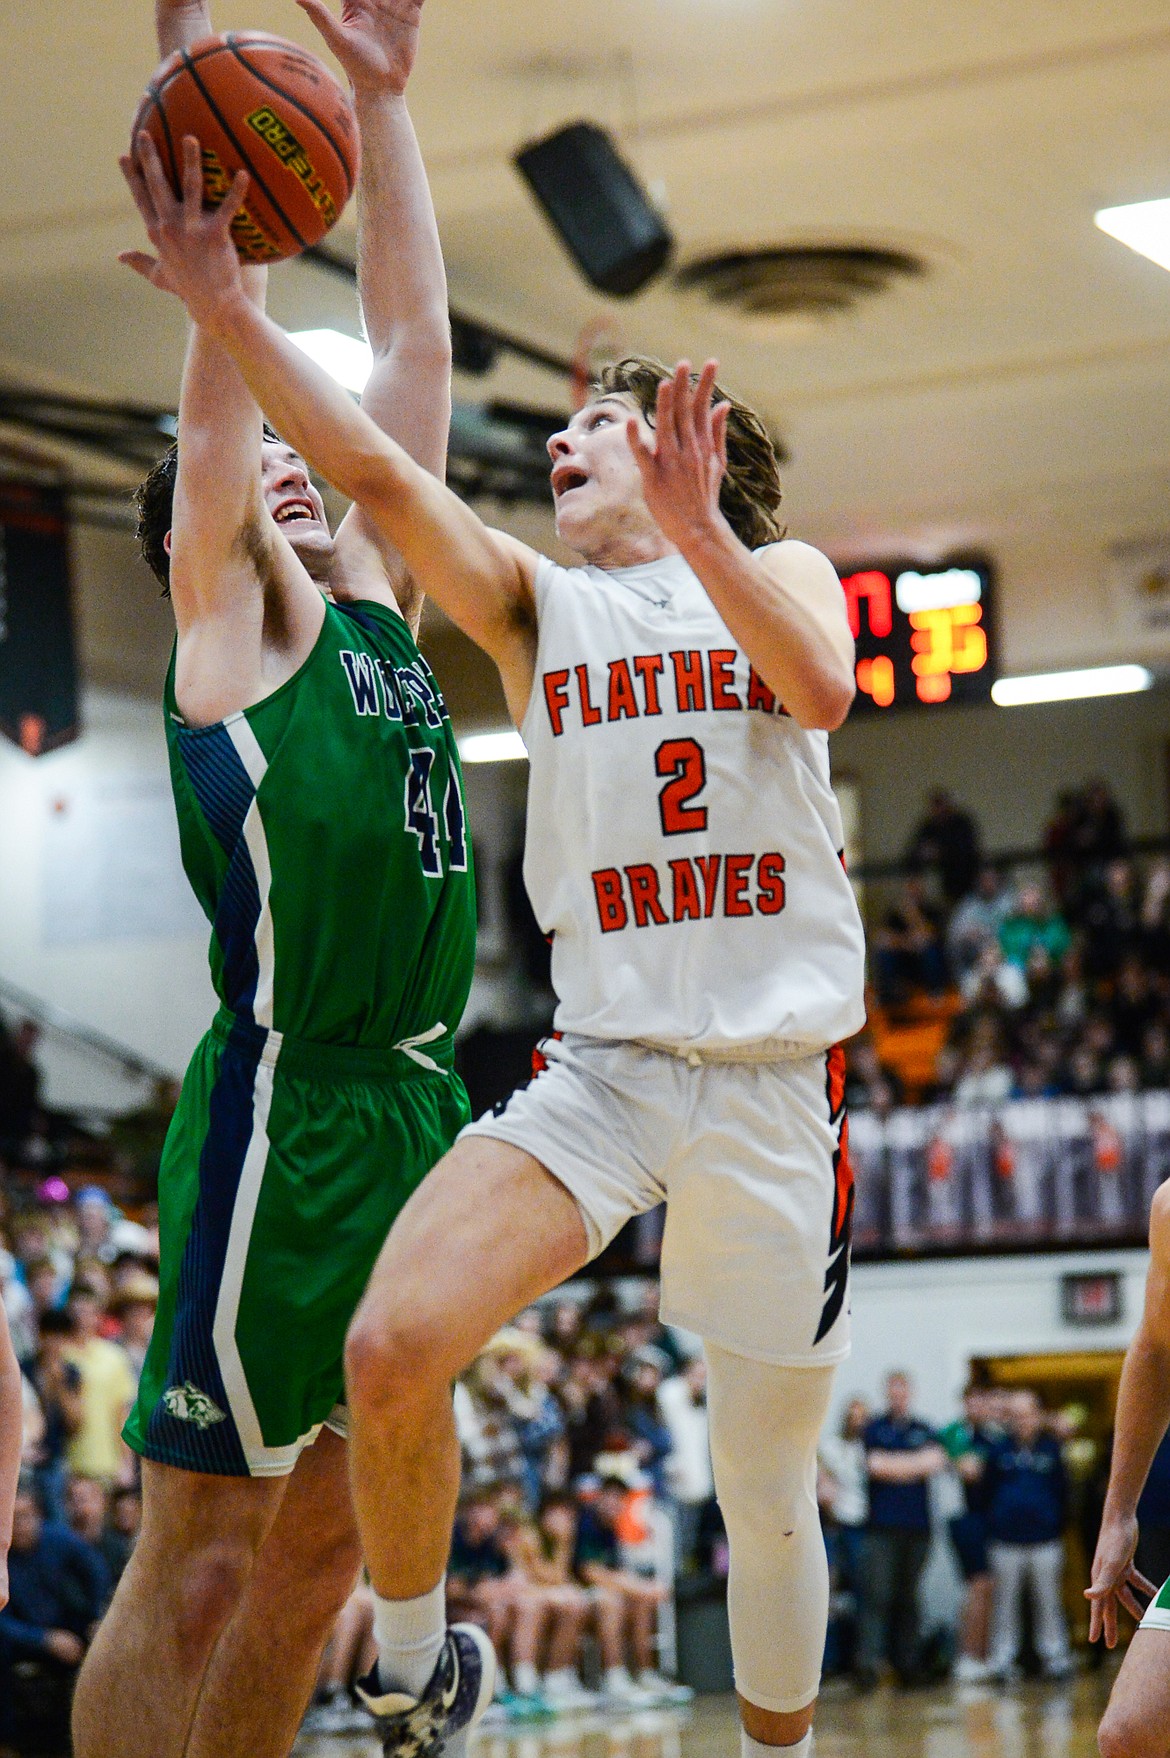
(1029, 1721)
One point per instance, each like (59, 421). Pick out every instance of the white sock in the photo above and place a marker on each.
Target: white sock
(750, 1748)
(525, 1678)
(409, 1634)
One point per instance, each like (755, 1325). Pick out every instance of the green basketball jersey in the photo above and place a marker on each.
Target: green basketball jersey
(324, 834)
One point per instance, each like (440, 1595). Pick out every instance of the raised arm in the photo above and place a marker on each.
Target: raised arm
(179, 23)
(1143, 1416)
(783, 604)
(483, 579)
(401, 278)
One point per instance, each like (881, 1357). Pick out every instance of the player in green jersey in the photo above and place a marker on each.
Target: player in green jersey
(1137, 1721)
(321, 822)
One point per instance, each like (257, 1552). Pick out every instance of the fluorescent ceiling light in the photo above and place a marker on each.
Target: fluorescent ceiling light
(343, 357)
(937, 591)
(492, 747)
(1143, 225)
(1071, 686)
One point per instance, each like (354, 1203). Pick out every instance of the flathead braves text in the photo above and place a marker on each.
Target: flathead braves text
(691, 680)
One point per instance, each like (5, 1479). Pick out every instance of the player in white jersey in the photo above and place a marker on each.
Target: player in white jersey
(684, 851)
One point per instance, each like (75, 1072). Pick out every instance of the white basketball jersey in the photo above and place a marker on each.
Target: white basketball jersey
(684, 844)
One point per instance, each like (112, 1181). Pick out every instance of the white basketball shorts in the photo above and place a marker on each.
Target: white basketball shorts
(751, 1159)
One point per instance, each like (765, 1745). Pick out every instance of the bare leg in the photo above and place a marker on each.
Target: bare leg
(642, 1611)
(487, 1232)
(609, 1614)
(345, 1657)
(263, 1670)
(531, 1615)
(138, 1688)
(570, 1608)
(976, 1621)
(1137, 1721)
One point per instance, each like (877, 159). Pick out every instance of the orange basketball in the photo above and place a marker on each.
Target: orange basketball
(266, 106)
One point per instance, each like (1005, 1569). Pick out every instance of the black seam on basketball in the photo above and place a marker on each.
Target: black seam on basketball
(305, 112)
(222, 120)
(169, 141)
(183, 66)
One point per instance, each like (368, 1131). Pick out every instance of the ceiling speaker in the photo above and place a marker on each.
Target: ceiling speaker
(616, 236)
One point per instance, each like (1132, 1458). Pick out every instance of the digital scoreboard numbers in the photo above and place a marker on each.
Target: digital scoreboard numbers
(924, 636)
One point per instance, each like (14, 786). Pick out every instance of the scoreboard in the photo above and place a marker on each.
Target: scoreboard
(925, 635)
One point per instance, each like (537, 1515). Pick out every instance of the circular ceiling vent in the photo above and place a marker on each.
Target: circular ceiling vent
(799, 280)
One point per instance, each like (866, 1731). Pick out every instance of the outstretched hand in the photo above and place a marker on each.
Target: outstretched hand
(196, 258)
(1115, 1581)
(683, 470)
(375, 40)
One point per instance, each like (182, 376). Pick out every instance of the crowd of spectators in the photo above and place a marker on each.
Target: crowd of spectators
(588, 1510)
(996, 1481)
(78, 1283)
(587, 1490)
(1058, 971)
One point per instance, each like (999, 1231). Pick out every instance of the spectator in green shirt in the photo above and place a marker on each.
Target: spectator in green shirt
(1032, 923)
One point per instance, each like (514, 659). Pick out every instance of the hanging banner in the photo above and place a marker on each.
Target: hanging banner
(38, 666)
(1139, 577)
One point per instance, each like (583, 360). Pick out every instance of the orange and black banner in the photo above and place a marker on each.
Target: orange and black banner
(38, 662)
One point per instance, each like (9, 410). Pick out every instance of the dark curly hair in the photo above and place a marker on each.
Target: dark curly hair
(155, 501)
(750, 493)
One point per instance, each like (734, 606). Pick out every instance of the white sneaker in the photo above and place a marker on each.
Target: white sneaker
(969, 1670)
(619, 1691)
(564, 1692)
(661, 1690)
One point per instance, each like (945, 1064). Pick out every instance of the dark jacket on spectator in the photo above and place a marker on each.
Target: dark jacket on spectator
(1027, 1492)
(899, 1507)
(63, 1584)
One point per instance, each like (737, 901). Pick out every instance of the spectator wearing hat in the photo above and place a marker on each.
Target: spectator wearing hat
(626, 1603)
(133, 1303)
(107, 1390)
(641, 1377)
(518, 1366)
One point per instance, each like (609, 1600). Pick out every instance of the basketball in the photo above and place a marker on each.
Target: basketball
(264, 105)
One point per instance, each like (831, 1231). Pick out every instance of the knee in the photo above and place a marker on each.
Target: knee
(331, 1573)
(1125, 1735)
(210, 1586)
(393, 1358)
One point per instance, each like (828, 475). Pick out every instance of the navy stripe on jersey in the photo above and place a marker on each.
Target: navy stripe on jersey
(236, 917)
(363, 619)
(224, 791)
(216, 1448)
(219, 781)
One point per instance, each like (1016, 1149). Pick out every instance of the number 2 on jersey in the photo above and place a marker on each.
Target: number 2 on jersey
(684, 762)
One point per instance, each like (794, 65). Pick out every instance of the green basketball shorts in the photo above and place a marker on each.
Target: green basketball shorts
(1158, 1611)
(284, 1168)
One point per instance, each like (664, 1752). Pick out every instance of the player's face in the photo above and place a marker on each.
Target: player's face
(296, 506)
(596, 483)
